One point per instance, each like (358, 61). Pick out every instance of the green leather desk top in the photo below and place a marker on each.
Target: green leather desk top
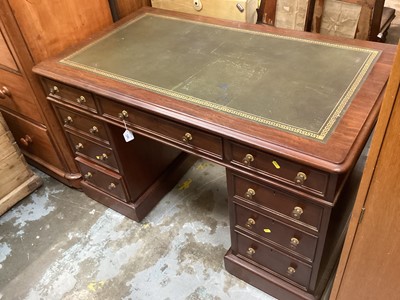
(296, 85)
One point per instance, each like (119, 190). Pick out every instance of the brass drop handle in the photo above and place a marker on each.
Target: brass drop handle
(88, 175)
(297, 212)
(187, 137)
(294, 242)
(248, 159)
(250, 252)
(81, 99)
(250, 193)
(123, 115)
(79, 146)
(68, 120)
(25, 141)
(300, 178)
(102, 157)
(93, 130)
(290, 271)
(4, 92)
(111, 186)
(250, 222)
(54, 90)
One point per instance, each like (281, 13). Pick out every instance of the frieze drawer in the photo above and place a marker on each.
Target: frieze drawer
(70, 95)
(186, 136)
(274, 260)
(276, 232)
(292, 208)
(103, 179)
(83, 124)
(297, 175)
(96, 152)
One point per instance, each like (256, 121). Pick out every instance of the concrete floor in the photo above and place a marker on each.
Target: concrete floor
(59, 244)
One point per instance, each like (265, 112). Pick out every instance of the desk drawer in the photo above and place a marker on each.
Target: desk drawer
(92, 150)
(295, 174)
(271, 259)
(276, 232)
(103, 179)
(186, 136)
(85, 125)
(70, 95)
(301, 212)
(33, 140)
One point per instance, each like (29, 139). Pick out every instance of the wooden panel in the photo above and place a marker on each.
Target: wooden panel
(368, 268)
(125, 7)
(22, 99)
(6, 58)
(50, 27)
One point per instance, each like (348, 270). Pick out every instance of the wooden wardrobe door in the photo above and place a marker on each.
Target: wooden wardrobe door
(370, 262)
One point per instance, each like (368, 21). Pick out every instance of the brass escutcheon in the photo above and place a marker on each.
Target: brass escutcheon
(88, 175)
(78, 146)
(111, 186)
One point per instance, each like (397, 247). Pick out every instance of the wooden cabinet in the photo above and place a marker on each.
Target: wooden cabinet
(30, 32)
(369, 263)
(101, 151)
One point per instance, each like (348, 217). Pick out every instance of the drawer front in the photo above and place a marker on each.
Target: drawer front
(303, 177)
(185, 136)
(274, 260)
(70, 95)
(276, 232)
(21, 98)
(33, 140)
(94, 151)
(296, 210)
(103, 179)
(85, 125)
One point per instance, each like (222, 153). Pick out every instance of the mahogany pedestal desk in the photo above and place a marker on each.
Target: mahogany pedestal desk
(287, 113)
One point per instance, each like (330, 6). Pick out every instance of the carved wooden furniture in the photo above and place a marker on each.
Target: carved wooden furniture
(366, 272)
(287, 156)
(16, 178)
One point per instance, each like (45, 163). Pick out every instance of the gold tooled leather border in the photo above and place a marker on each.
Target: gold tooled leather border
(319, 135)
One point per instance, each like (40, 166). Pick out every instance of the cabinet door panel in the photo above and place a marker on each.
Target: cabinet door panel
(6, 57)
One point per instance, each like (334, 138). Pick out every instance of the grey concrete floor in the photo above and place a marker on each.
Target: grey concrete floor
(59, 244)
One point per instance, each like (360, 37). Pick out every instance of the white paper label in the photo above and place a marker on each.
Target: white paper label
(128, 135)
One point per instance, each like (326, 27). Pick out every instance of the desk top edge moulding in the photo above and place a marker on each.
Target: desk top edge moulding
(312, 135)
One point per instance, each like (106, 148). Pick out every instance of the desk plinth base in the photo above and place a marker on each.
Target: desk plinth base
(138, 209)
(263, 280)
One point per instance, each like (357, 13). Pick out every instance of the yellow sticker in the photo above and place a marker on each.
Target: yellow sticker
(185, 185)
(276, 165)
(267, 230)
(93, 286)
